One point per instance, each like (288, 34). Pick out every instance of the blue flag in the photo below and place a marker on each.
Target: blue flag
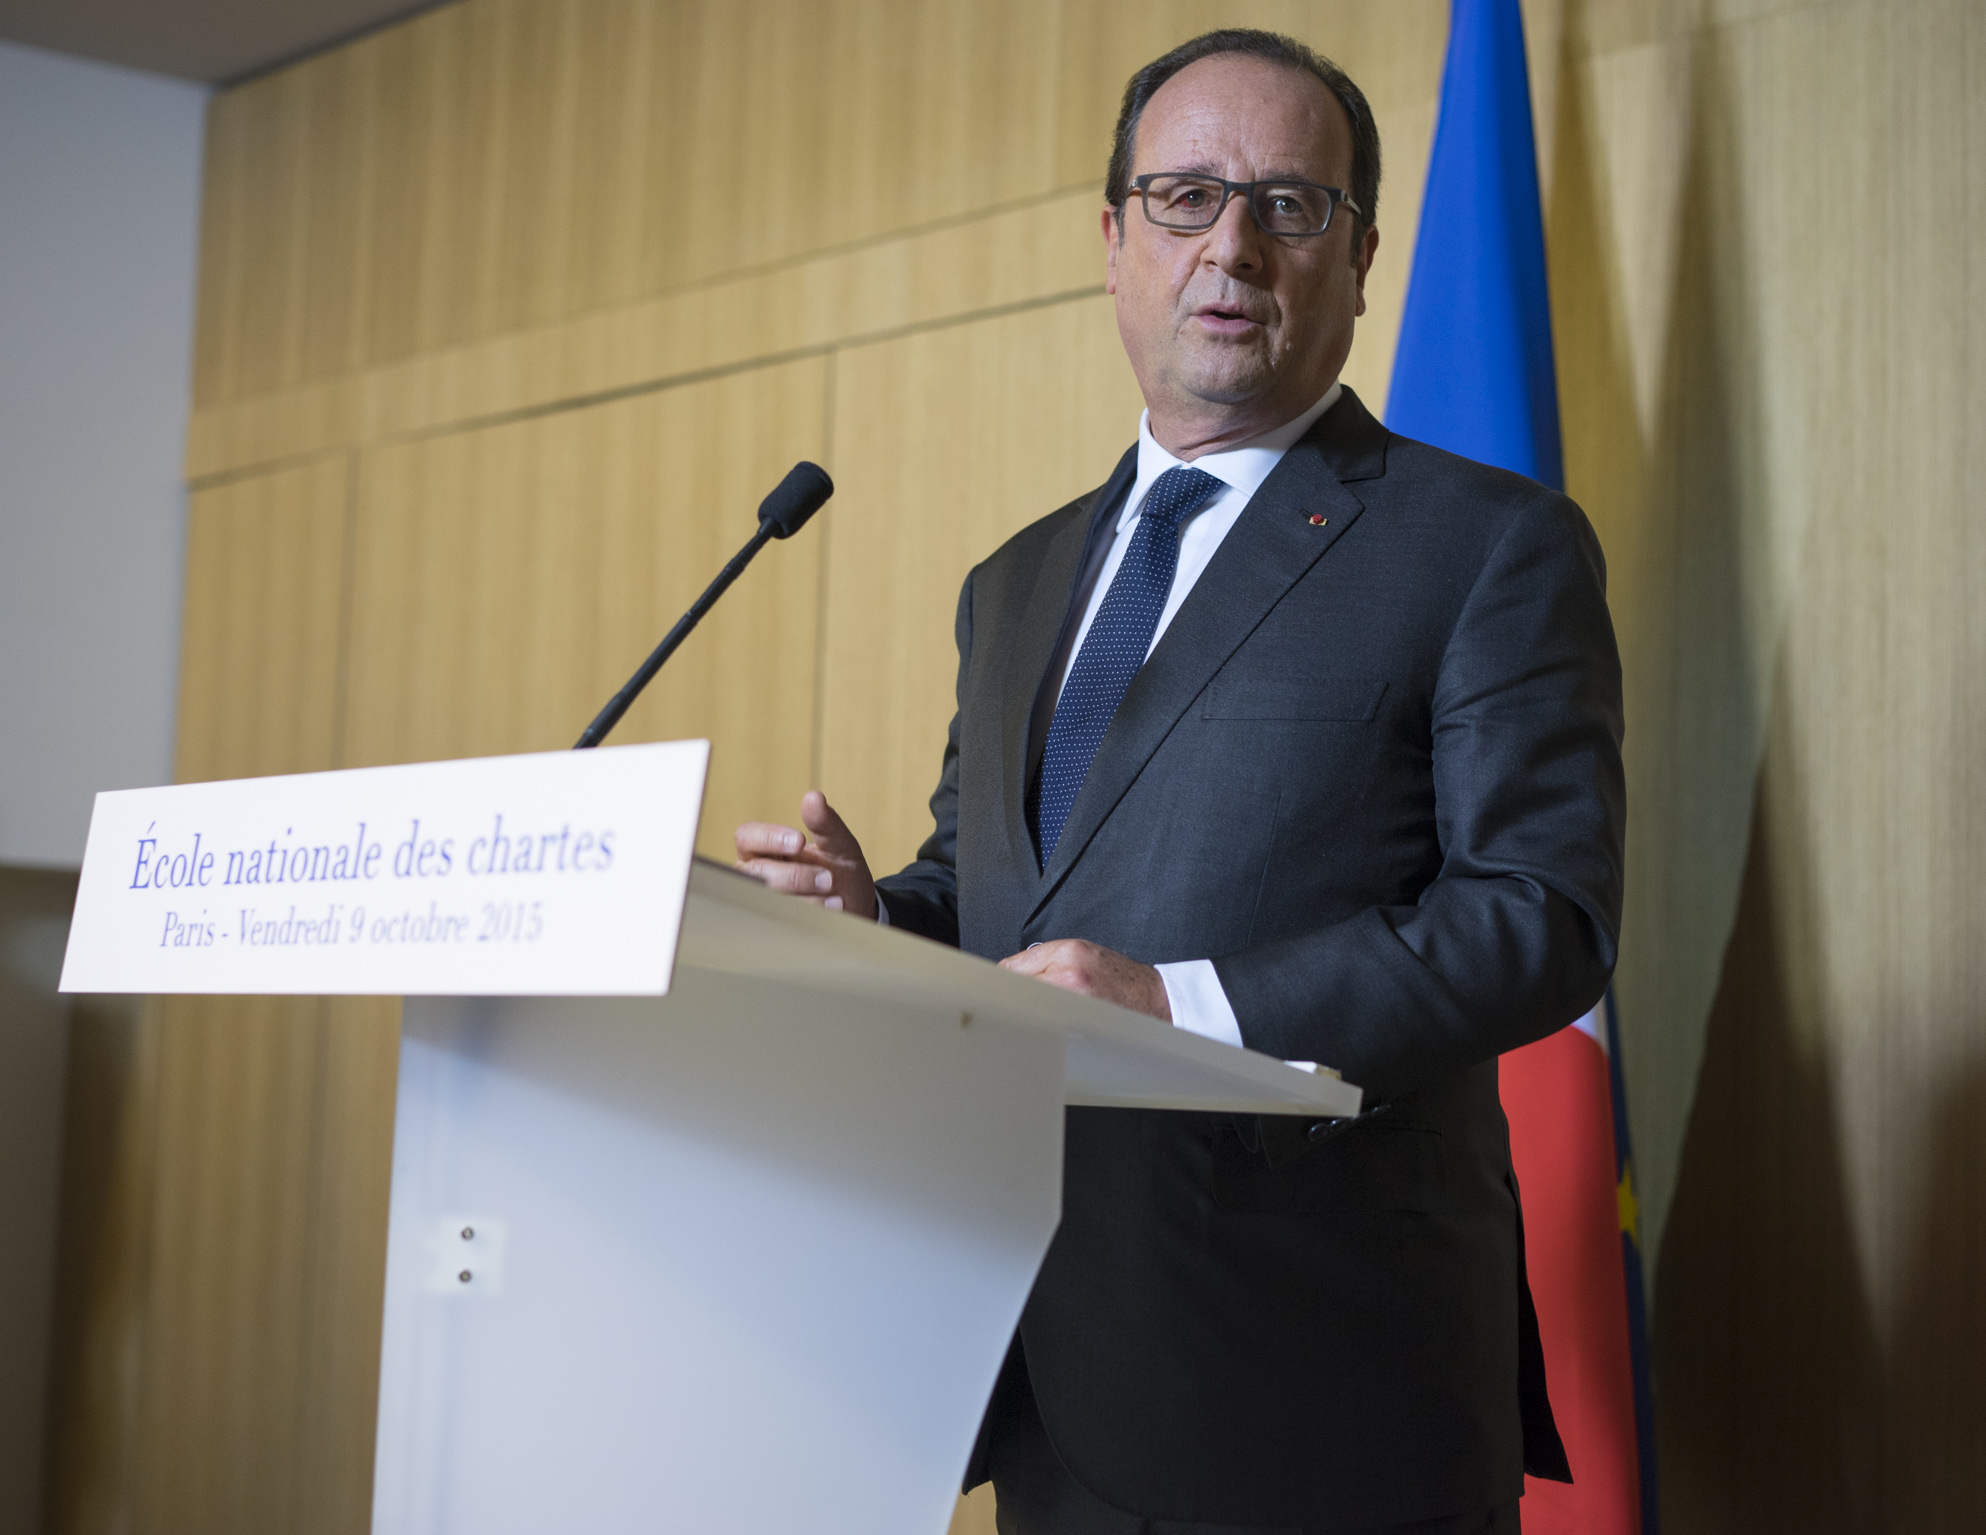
(1473, 373)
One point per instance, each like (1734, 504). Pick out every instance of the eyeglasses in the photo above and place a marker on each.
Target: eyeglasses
(1194, 203)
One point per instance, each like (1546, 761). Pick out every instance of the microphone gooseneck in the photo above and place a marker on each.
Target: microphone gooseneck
(803, 492)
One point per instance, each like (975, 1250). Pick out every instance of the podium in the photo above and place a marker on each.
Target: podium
(745, 1257)
(712, 1210)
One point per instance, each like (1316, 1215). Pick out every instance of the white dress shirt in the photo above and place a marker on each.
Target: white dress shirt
(1192, 989)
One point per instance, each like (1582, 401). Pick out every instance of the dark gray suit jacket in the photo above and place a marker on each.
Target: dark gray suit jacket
(1372, 770)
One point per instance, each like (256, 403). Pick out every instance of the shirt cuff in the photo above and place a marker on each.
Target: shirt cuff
(1199, 1005)
(882, 911)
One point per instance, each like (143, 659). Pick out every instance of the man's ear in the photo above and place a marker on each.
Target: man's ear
(1368, 245)
(1113, 236)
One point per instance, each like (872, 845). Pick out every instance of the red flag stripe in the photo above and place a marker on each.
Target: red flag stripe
(1557, 1098)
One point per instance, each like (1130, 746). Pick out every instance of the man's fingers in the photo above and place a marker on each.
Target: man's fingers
(1062, 962)
(828, 829)
(1065, 975)
(792, 877)
(1090, 970)
(829, 871)
(763, 838)
(1030, 961)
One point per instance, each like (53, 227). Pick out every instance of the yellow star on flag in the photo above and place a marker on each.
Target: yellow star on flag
(1630, 1207)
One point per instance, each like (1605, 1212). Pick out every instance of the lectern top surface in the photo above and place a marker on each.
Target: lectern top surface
(734, 925)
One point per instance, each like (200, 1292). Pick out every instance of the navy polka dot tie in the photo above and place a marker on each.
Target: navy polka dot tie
(1113, 650)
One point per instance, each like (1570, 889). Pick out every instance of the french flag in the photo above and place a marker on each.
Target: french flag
(1474, 374)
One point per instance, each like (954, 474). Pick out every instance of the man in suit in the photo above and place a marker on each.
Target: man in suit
(1306, 737)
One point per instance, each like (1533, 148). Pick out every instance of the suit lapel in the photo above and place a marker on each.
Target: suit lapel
(1270, 547)
(1041, 625)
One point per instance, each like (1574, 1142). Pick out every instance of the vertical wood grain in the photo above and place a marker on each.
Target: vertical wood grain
(510, 579)
(953, 441)
(219, 1406)
(261, 640)
(98, 1337)
(510, 162)
(1829, 1221)
(1393, 51)
(356, 1072)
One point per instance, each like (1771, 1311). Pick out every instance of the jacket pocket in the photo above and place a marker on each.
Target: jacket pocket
(1292, 697)
(1375, 1165)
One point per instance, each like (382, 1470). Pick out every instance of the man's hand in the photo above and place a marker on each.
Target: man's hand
(1075, 964)
(830, 871)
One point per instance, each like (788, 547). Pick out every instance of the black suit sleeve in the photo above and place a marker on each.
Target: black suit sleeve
(1516, 937)
(924, 897)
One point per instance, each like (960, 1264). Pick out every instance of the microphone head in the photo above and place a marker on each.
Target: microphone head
(794, 499)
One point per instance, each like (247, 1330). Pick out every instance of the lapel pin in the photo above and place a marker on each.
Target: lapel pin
(1316, 521)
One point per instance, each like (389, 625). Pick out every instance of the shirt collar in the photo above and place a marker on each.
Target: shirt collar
(1243, 468)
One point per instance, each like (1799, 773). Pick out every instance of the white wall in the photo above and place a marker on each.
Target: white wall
(99, 216)
(99, 212)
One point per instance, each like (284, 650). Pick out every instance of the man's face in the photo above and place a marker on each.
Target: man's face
(1231, 331)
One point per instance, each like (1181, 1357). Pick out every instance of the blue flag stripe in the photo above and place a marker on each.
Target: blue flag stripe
(1474, 371)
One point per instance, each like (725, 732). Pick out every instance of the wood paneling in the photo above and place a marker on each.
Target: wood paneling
(261, 649)
(1007, 259)
(509, 162)
(1774, 427)
(230, 1273)
(509, 580)
(34, 1027)
(510, 314)
(103, 1278)
(1821, 451)
(945, 445)
(1394, 51)
(266, 1257)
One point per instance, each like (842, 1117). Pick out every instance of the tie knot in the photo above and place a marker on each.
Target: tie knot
(1177, 492)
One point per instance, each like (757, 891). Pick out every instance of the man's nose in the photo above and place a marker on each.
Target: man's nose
(1234, 244)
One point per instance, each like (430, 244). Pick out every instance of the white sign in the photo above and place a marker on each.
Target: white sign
(556, 874)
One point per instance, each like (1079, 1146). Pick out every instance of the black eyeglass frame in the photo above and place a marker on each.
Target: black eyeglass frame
(1247, 189)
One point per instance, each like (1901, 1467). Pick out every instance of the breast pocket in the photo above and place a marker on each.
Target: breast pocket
(1293, 696)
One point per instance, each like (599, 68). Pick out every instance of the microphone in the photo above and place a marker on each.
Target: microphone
(802, 493)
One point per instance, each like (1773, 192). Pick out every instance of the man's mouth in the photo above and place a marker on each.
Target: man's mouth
(1225, 320)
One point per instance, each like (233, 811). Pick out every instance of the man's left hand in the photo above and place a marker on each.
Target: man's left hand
(1077, 965)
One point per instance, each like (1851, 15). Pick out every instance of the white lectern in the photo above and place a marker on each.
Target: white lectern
(745, 1257)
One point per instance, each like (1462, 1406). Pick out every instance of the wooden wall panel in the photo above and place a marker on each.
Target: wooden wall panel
(283, 236)
(250, 1337)
(531, 159)
(1822, 1362)
(509, 580)
(261, 649)
(103, 1271)
(1394, 51)
(230, 1262)
(961, 437)
(1043, 251)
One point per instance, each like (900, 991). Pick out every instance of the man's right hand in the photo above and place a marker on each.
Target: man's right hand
(830, 870)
